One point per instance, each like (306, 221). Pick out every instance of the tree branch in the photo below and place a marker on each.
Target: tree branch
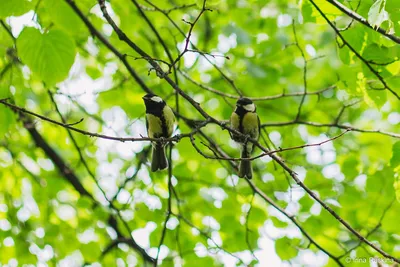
(175, 138)
(345, 42)
(293, 219)
(336, 125)
(261, 98)
(363, 21)
(104, 40)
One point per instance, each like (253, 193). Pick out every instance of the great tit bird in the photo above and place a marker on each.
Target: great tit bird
(246, 121)
(160, 124)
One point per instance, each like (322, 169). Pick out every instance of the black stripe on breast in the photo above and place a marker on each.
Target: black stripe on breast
(164, 125)
(156, 109)
(241, 112)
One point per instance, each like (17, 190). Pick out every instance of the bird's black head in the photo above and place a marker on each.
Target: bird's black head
(153, 102)
(148, 96)
(246, 105)
(243, 101)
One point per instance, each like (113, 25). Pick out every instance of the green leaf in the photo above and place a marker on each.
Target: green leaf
(396, 186)
(378, 54)
(355, 36)
(14, 7)
(395, 160)
(329, 9)
(344, 54)
(393, 8)
(7, 117)
(390, 221)
(307, 11)
(48, 55)
(93, 72)
(91, 251)
(63, 16)
(84, 202)
(378, 96)
(278, 223)
(286, 248)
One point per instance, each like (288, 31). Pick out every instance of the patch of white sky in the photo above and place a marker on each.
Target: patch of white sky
(29, 206)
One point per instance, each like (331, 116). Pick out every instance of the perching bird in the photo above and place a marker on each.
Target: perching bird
(160, 124)
(245, 120)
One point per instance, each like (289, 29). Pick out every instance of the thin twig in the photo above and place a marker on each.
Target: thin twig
(175, 138)
(265, 153)
(261, 98)
(335, 125)
(304, 70)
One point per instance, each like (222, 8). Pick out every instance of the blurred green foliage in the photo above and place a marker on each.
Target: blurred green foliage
(215, 217)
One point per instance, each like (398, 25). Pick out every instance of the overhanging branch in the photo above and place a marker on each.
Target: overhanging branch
(362, 20)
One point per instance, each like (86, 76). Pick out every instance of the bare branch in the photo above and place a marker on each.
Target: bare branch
(335, 125)
(373, 230)
(304, 70)
(207, 236)
(192, 24)
(225, 76)
(248, 230)
(265, 153)
(262, 98)
(175, 138)
(104, 40)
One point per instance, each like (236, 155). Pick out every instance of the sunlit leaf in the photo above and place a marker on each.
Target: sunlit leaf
(49, 55)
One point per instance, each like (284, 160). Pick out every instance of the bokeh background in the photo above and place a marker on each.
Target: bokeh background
(72, 199)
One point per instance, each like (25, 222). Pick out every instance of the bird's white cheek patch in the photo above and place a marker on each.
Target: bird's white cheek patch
(156, 99)
(250, 107)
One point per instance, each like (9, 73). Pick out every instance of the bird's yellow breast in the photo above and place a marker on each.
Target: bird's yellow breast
(154, 126)
(169, 119)
(248, 125)
(235, 121)
(251, 125)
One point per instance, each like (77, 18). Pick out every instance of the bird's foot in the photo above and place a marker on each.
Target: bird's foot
(246, 138)
(162, 140)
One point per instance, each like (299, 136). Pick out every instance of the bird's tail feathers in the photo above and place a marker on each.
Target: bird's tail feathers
(159, 160)
(245, 169)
